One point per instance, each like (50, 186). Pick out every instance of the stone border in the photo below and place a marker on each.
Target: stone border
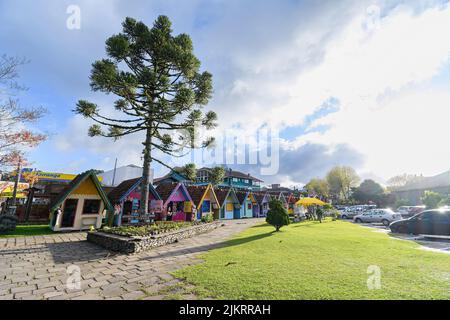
(130, 245)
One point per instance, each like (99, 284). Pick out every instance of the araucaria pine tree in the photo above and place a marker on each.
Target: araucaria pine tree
(159, 88)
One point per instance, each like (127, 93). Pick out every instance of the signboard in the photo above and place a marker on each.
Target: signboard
(53, 176)
(7, 189)
(187, 206)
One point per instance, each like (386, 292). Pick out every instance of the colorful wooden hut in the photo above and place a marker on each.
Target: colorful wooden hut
(263, 199)
(205, 200)
(80, 205)
(280, 196)
(292, 200)
(229, 203)
(126, 199)
(246, 201)
(177, 203)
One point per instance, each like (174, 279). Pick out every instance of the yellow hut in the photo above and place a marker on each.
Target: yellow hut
(82, 204)
(205, 200)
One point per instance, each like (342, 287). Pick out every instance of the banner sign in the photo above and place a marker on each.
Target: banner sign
(54, 176)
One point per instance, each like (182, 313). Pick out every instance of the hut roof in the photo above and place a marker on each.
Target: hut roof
(196, 193)
(65, 192)
(124, 187)
(259, 196)
(241, 196)
(222, 194)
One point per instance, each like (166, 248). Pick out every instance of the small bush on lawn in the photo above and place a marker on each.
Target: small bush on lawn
(277, 215)
(150, 229)
(207, 218)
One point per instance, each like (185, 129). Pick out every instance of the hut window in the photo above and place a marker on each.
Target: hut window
(91, 206)
(229, 206)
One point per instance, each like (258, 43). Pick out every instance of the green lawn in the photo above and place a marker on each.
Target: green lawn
(28, 230)
(319, 261)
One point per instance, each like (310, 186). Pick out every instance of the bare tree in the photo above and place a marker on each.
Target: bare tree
(14, 119)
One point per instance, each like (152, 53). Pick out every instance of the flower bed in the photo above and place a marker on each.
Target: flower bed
(137, 239)
(156, 228)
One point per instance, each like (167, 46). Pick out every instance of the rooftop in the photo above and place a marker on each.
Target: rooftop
(230, 173)
(440, 180)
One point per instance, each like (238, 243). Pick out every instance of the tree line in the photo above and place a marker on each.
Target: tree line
(341, 185)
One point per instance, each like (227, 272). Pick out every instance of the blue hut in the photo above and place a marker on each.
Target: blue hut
(228, 202)
(247, 202)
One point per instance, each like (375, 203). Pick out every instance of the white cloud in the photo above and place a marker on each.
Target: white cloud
(381, 78)
(274, 63)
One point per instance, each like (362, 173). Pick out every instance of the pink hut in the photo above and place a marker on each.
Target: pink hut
(177, 203)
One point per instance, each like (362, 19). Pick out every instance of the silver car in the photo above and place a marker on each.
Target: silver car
(385, 216)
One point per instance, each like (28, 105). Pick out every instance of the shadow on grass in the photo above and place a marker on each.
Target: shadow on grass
(265, 224)
(207, 247)
(83, 251)
(310, 223)
(307, 224)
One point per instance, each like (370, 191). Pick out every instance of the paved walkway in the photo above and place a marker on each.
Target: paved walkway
(37, 267)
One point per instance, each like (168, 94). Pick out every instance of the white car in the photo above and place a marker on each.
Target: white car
(385, 216)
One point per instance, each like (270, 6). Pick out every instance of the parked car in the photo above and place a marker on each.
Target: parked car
(410, 211)
(385, 216)
(430, 222)
(351, 212)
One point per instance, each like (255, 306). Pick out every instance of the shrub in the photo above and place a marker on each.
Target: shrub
(207, 218)
(319, 214)
(431, 199)
(277, 215)
(445, 201)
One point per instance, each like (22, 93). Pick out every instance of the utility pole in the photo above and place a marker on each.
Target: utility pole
(114, 173)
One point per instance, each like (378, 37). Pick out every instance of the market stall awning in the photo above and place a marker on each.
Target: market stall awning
(309, 202)
(7, 189)
(19, 195)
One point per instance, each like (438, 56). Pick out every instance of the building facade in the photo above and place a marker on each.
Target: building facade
(115, 177)
(414, 192)
(233, 178)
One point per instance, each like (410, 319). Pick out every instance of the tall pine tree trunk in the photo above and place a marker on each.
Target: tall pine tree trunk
(146, 173)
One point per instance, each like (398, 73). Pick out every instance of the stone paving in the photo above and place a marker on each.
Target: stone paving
(37, 267)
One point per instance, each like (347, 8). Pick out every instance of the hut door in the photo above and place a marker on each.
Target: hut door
(206, 208)
(70, 210)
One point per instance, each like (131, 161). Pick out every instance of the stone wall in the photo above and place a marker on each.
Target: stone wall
(131, 245)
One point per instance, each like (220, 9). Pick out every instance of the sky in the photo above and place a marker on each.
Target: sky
(358, 83)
